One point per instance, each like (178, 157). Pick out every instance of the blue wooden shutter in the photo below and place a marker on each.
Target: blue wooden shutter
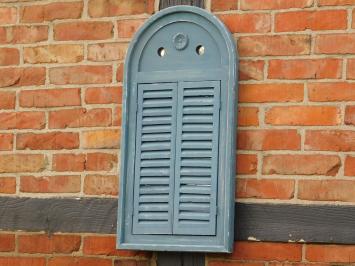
(154, 164)
(196, 162)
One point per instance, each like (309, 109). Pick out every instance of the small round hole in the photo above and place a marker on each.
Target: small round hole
(161, 52)
(200, 50)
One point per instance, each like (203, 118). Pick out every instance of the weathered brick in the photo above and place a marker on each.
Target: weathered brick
(349, 169)
(50, 98)
(78, 261)
(247, 164)
(8, 15)
(23, 34)
(100, 161)
(126, 28)
(80, 75)
(117, 116)
(48, 244)
(330, 253)
(305, 68)
(250, 69)
(350, 115)
(101, 139)
(7, 99)
(303, 115)
(270, 139)
(335, 2)
(274, 4)
(7, 242)
(6, 141)
(351, 67)
(265, 45)
(313, 20)
(107, 51)
(235, 263)
(103, 95)
(17, 163)
(224, 5)
(68, 162)
(22, 261)
(248, 116)
(50, 12)
(50, 184)
(108, 8)
(72, 118)
(7, 186)
(22, 120)
(101, 185)
(330, 140)
(274, 92)
(61, 53)
(74, 31)
(48, 141)
(119, 74)
(9, 56)
(306, 164)
(265, 188)
(335, 44)
(16, 77)
(331, 91)
(327, 190)
(245, 23)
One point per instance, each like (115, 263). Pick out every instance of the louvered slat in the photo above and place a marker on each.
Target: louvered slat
(154, 164)
(196, 162)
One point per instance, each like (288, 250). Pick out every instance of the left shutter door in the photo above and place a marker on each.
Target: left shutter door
(155, 158)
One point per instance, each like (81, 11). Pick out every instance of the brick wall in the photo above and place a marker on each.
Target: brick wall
(61, 66)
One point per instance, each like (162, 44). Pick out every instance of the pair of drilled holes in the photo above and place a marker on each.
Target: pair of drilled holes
(200, 50)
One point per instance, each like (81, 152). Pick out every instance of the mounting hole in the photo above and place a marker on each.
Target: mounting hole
(161, 52)
(200, 49)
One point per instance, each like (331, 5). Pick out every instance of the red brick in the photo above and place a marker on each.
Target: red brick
(131, 262)
(6, 142)
(119, 74)
(107, 51)
(15, 77)
(126, 28)
(7, 99)
(331, 253)
(335, 2)
(244, 23)
(301, 164)
(265, 188)
(9, 56)
(249, 69)
(50, 184)
(274, 92)
(117, 116)
(101, 139)
(264, 45)
(7, 186)
(48, 244)
(48, 141)
(22, 261)
(349, 166)
(274, 4)
(101, 185)
(100, 161)
(22, 120)
(331, 91)
(248, 116)
(313, 20)
(305, 68)
(61, 53)
(351, 66)
(353, 23)
(50, 12)
(17, 163)
(263, 140)
(78, 261)
(74, 31)
(350, 115)
(106, 245)
(327, 190)
(7, 241)
(50, 98)
(68, 162)
(224, 5)
(330, 140)
(23, 34)
(247, 164)
(233, 263)
(303, 115)
(296, 264)
(335, 44)
(266, 251)
(72, 118)
(103, 95)
(8, 15)
(80, 75)
(109, 8)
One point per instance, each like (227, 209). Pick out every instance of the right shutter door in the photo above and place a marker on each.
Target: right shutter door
(196, 163)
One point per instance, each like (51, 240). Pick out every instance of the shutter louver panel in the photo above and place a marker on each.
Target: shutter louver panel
(155, 152)
(196, 163)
